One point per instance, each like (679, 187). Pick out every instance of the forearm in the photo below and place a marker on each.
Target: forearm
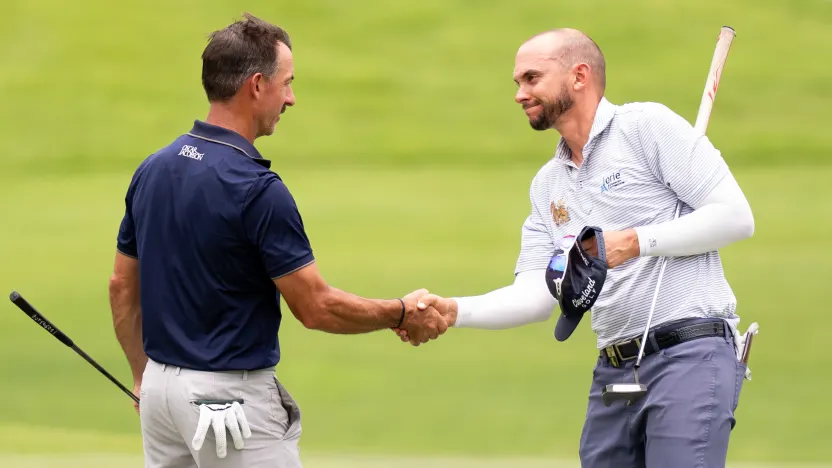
(722, 218)
(526, 301)
(340, 312)
(127, 321)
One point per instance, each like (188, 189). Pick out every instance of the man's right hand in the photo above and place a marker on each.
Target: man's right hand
(137, 389)
(421, 323)
(430, 304)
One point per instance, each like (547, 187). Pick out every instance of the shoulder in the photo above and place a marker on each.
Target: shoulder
(654, 123)
(267, 185)
(544, 175)
(543, 182)
(152, 160)
(639, 113)
(654, 116)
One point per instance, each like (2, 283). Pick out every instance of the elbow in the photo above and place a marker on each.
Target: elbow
(310, 320)
(309, 317)
(540, 311)
(545, 313)
(746, 227)
(118, 285)
(312, 315)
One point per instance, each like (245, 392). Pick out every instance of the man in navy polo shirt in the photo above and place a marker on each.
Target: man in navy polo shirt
(214, 237)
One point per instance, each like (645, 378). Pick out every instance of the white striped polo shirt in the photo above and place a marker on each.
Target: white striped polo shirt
(640, 159)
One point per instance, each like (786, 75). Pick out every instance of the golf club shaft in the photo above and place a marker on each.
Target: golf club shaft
(106, 374)
(38, 318)
(655, 297)
(724, 41)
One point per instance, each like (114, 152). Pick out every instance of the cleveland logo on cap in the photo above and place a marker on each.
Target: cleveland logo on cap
(576, 284)
(585, 297)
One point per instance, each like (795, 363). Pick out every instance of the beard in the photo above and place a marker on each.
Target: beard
(553, 110)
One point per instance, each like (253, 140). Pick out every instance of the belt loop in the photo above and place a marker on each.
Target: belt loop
(651, 337)
(177, 370)
(245, 375)
(164, 367)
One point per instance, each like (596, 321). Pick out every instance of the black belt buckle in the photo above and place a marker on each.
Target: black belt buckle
(628, 344)
(617, 357)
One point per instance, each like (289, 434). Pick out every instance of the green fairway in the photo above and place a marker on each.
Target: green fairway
(411, 166)
(515, 392)
(381, 82)
(128, 461)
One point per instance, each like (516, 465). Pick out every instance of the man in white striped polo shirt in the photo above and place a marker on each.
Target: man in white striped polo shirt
(622, 169)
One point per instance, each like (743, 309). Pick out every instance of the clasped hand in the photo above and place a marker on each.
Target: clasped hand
(427, 316)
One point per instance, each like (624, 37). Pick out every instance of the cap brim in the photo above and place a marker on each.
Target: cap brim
(566, 326)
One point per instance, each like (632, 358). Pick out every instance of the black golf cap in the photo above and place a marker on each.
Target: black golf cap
(575, 279)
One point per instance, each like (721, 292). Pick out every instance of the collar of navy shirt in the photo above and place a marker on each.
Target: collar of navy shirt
(603, 116)
(224, 136)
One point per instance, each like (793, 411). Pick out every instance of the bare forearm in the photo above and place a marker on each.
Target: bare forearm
(340, 312)
(127, 321)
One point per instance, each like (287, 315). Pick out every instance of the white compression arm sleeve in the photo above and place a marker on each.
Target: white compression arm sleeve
(526, 301)
(723, 217)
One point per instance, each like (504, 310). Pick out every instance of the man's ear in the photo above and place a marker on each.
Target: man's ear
(581, 76)
(256, 85)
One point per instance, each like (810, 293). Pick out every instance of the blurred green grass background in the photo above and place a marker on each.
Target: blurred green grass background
(411, 165)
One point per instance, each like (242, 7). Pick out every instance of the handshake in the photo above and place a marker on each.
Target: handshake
(426, 317)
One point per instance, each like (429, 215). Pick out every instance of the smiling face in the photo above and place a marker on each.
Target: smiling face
(554, 71)
(271, 96)
(542, 86)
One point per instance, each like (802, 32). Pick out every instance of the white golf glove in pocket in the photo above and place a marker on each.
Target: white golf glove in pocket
(221, 415)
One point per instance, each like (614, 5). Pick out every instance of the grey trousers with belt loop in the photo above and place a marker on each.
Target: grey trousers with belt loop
(169, 418)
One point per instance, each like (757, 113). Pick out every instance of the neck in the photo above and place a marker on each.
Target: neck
(224, 115)
(575, 125)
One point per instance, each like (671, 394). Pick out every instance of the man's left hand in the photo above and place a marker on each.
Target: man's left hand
(620, 245)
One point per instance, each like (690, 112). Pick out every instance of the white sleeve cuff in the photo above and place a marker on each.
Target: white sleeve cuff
(526, 301)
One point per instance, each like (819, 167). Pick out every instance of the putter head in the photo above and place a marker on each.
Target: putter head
(630, 392)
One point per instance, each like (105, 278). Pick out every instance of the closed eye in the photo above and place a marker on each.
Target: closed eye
(530, 77)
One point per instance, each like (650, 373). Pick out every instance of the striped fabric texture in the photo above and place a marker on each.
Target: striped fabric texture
(639, 160)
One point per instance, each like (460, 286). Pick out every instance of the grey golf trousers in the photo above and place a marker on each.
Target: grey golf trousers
(169, 418)
(685, 419)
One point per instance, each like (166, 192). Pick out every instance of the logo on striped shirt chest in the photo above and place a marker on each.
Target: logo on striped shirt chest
(560, 213)
(612, 181)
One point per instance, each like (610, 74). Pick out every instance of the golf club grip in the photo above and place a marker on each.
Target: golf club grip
(723, 45)
(33, 314)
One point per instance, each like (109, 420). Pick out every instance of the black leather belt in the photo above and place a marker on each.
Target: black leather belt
(617, 354)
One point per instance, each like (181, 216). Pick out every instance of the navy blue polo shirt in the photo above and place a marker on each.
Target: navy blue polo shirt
(211, 226)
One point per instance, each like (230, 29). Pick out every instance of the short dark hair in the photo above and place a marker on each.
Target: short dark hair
(238, 51)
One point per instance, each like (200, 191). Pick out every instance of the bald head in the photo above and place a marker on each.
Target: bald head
(557, 71)
(570, 47)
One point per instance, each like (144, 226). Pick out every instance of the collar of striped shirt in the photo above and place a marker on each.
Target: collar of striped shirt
(603, 116)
